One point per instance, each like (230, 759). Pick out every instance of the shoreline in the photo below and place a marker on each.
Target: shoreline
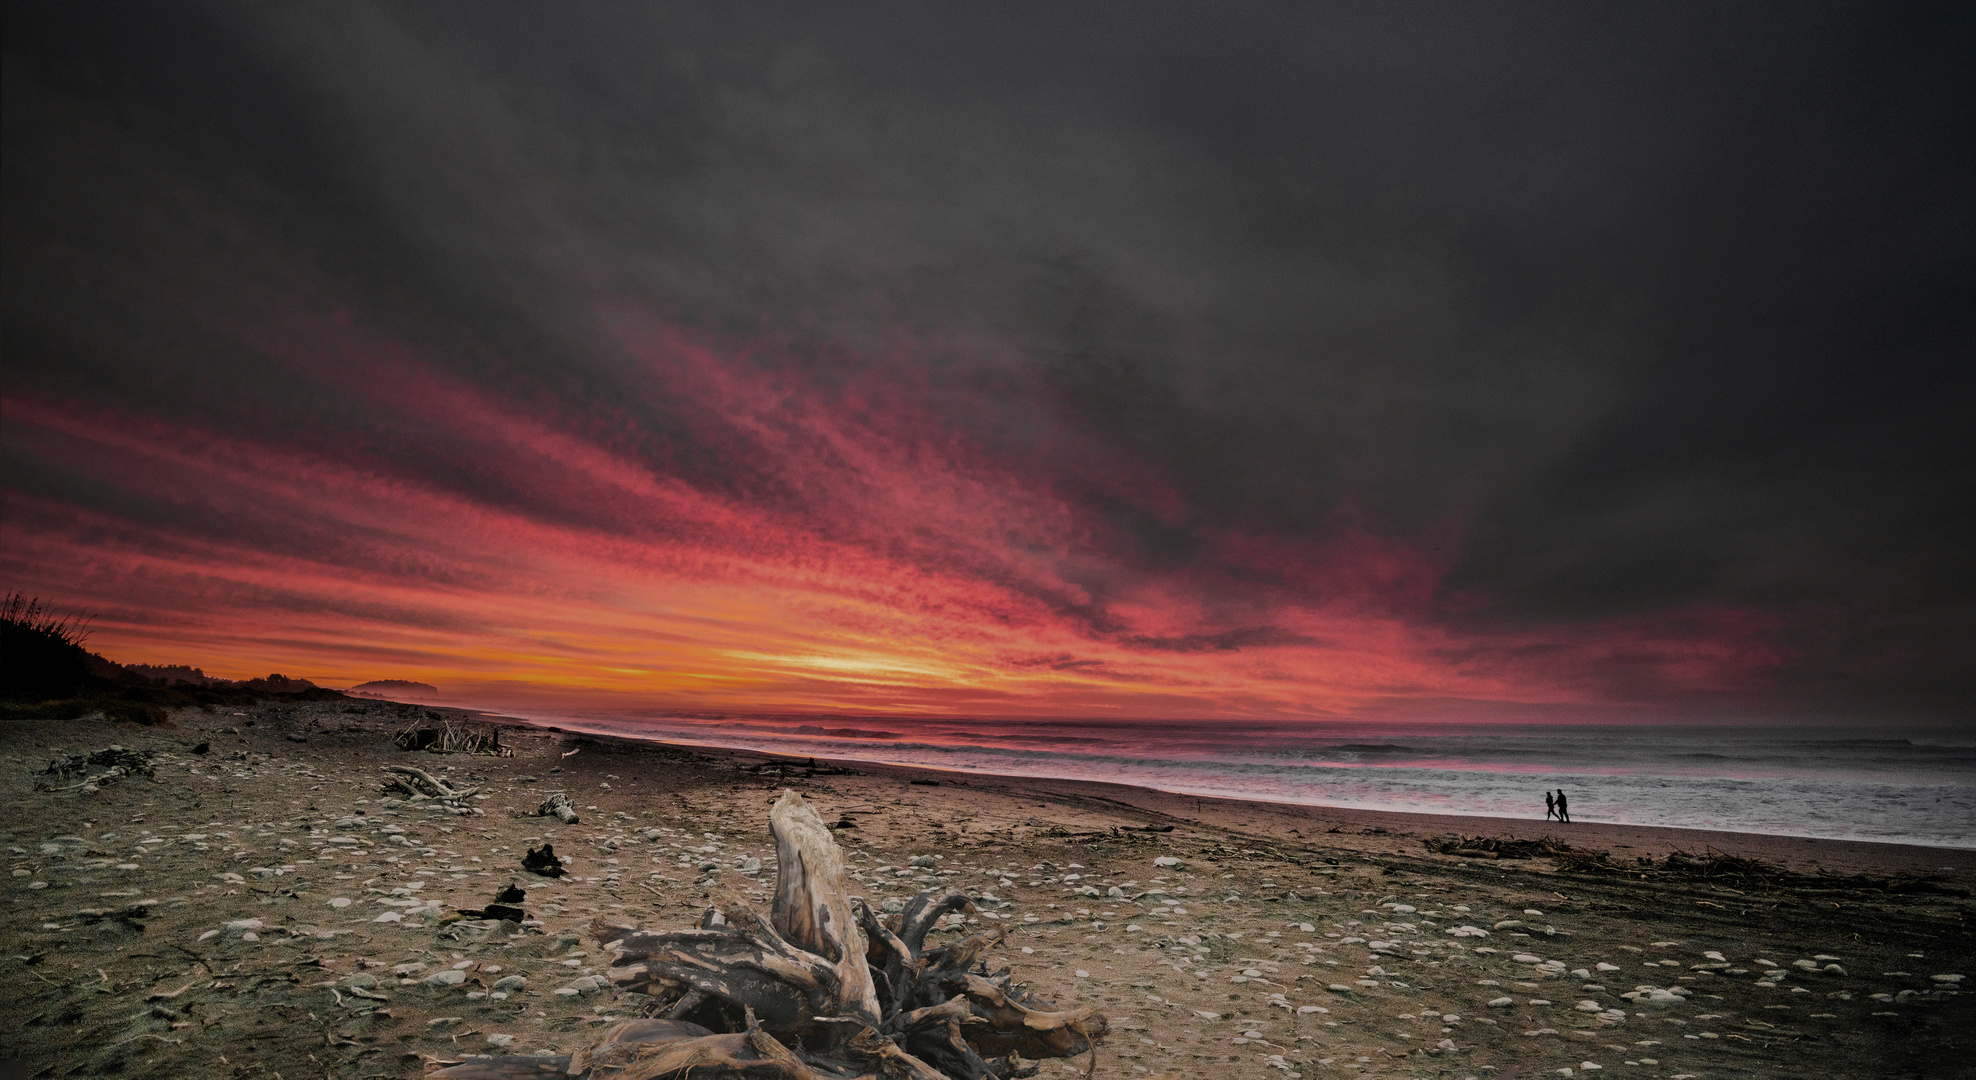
(1798, 853)
(261, 903)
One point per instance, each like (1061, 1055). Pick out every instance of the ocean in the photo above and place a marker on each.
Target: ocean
(1913, 787)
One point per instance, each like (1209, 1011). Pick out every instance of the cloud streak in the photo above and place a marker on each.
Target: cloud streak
(1270, 363)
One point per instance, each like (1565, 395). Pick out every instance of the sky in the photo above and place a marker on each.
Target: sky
(1441, 362)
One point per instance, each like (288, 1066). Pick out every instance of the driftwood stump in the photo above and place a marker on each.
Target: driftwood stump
(820, 989)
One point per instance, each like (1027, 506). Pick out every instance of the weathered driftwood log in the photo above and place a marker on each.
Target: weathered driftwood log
(617, 1041)
(820, 989)
(813, 905)
(420, 784)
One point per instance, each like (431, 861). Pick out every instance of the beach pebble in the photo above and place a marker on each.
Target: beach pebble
(1166, 861)
(1339, 988)
(1805, 965)
(339, 901)
(449, 977)
(389, 916)
(362, 980)
(500, 1040)
(1526, 958)
(921, 860)
(1834, 969)
(510, 982)
(1950, 980)
(243, 926)
(1608, 967)
(1500, 1003)
(1589, 1006)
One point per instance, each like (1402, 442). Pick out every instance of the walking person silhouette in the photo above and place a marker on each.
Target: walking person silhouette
(1563, 811)
(1550, 806)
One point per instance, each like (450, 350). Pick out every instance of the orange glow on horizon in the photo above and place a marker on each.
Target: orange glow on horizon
(900, 569)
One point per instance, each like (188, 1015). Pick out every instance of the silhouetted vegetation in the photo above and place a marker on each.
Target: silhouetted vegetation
(41, 654)
(46, 674)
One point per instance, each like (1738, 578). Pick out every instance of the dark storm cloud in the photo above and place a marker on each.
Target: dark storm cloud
(1623, 310)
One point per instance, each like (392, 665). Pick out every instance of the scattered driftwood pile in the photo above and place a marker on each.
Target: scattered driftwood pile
(1496, 847)
(820, 989)
(438, 734)
(95, 769)
(417, 785)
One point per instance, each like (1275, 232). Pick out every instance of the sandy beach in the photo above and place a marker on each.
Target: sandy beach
(265, 908)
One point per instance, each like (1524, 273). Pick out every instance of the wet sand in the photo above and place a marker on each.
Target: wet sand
(265, 907)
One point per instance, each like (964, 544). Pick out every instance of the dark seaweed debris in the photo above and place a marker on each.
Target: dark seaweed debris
(543, 861)
(1496, 847)
(1716, 867)
(1738, 871)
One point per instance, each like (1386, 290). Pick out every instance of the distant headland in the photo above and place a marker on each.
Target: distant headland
(396, 686)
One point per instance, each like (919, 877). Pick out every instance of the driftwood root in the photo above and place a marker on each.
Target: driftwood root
(820, 988)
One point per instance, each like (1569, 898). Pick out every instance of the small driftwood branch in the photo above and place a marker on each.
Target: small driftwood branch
(558, 806)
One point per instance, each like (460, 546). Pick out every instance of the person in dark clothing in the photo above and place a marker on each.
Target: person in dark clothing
(1550, 806)
(1563, 811)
